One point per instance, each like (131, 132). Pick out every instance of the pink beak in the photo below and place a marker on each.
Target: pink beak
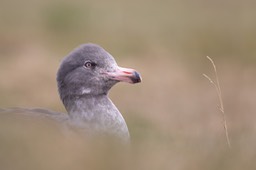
(125, 75)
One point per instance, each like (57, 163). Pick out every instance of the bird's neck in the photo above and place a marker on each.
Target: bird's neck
(97, 113)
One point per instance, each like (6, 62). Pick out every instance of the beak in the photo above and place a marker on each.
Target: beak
(125, 75)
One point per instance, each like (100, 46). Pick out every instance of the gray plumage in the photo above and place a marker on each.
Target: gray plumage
(84, 78)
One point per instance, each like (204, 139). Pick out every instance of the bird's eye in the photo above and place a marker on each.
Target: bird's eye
(89, 64)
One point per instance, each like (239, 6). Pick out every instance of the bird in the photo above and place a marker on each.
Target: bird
(84, 79)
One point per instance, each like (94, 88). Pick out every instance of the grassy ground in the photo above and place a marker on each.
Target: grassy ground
(172, 115)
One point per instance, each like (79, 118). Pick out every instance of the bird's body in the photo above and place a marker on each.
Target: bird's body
(84, 78)
(99, 115)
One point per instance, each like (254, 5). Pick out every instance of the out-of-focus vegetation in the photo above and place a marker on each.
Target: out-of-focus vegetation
(172, 115)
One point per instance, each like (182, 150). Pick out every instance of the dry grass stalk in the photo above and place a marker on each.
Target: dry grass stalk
(218, 90)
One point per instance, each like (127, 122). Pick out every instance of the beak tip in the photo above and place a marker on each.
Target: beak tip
(136, 77)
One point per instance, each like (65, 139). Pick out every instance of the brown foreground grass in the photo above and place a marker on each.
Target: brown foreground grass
(216, 83)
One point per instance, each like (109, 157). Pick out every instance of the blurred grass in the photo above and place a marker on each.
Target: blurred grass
(172, 115)
(190, 29)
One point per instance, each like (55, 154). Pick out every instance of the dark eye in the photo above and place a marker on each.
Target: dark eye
(89, 64)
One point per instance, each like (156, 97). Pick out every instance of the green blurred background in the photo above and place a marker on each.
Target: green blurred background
(172, 115)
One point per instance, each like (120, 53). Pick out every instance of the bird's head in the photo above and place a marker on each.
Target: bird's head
(90, 70)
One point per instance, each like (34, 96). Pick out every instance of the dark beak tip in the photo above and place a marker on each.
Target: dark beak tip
(136, 77)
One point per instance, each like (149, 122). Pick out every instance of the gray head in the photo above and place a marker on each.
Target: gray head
(89, 70)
